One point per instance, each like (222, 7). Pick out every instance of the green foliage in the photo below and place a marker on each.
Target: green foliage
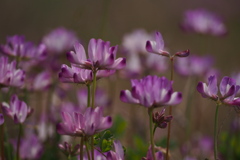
(139, 149)
(119, 126)
(104, 140)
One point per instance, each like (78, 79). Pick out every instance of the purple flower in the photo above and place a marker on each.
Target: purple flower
(204, 22)
(87, 124)
(101, 56)
(75, 74)
(151, 91)
(59, 40)
(160, 119)
(17, 110)
(157, 46)
(9, 75)
(30, 147)
(227, 87)
(158, 155)
(118, 154)
(42, 81)
(97, 156)
(1, 119)
(193, 65)
(68, 149)
(17, 47)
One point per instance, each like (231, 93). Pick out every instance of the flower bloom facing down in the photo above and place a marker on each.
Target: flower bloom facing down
(101, 56)
(158, 155)
(204, 22)
(228, 90)
(1, 119)
(151, 91)
(59, 40)
(17, 47)
(9, 75)
(17, 110)
(118, 154)
(87, 124)
(74, 74)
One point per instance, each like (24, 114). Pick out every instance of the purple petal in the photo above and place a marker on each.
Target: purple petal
(225, 85)
(212, 85)
(1, 119)
(118, 148)
(175, 99)
(126, 96)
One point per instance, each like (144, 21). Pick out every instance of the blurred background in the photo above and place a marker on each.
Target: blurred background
(110, 20)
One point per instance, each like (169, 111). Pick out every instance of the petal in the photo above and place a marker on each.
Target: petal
(1, 119)
(126, 96)
(118, 64)
(118, 148)
(202, 89)
(175, 99)
(225, 85)
(212, 85)
(105, 123)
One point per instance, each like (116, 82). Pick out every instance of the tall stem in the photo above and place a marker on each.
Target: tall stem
(81, 148)
(94, 87)
(2, 138)
(169, 113)
(19, 141)
(216, 132)
(92, 146)
(89, 157)
(150, 110)
(89, 95)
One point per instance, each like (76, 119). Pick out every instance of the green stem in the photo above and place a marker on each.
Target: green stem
(92, 146)
(81, 148)
(94, 87)
(89, 95)
(88, 154)
(150, 110)
(69, 157)
(169, 113)
(19, 141)
(215, 132)
(2, 141)
(154, 129)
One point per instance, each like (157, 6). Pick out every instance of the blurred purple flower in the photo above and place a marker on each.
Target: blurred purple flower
(228, 90)
(97, 156)
(9, 75)
(30, 147)
(151, 91)
(101, 98)
(87, 124)
(45, 127)
(118, 154)
(75, 74)
(157, 46)
(204, 22)
(193, 65)
(101, 56)
(1, 119)
(42, 81)
(59, 40)
(17, 47)
(17, 110)
(159, 155)
(68, 149)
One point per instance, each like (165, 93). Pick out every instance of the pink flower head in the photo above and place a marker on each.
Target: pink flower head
(118, 154)
(1, 119)
(159, 155)
(75, 74)
(9, 75)
(17, 110)
(157, 46)
(42, 81)
(17, 47)
(204, 22)
(227, 87)
(87, 124)
(151, 91)
(100, 56)
(59, 40)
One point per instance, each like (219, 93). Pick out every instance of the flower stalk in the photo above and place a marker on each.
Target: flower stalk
(150, 113)
(94, 87)
(216, 132)
(19, 141)
(81, 148)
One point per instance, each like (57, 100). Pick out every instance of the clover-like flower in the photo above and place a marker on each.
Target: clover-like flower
(17, 47)
(9, 75)
(87, 124)
(227, 87)
(159, 155)
(160, 119)
(203, 22)
(151, 91)
(100, 56)
(17, 110)
(1, 119)
(119, 152)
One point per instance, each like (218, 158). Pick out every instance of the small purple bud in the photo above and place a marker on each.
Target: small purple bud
(183, 53)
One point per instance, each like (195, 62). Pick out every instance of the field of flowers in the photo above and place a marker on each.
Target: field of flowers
(111, 80)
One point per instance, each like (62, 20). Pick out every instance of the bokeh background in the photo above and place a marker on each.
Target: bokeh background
(111, 20)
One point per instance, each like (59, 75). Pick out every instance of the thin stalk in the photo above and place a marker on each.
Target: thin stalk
(81, 148)
(92, 146)
(89, 95)
(215, 132)
(69, 157)
(2, 141)
(19, 141)
(169, 113)
(150, 110)
(88, 154)
(94, 87)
